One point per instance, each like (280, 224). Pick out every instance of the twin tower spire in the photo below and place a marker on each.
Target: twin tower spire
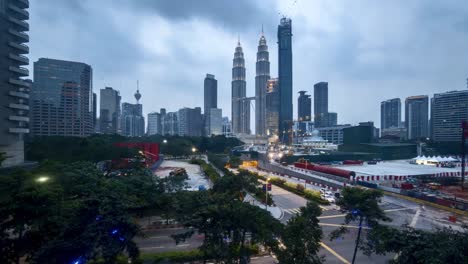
(240, 102)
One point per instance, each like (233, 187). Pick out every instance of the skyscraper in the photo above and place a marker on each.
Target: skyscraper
(416, 116)
(190, 122)
(216, 122)
(285, 78)
(133, 122)
(390, 113)
(448, 110)
(170, 124)
(210, 100)
(61, 99)
(321, 104)
(304, 107)
(14, 90)
(261, 78)
(94, 112)
(227, 127)
(210, 93)
(109, 113)
(240, 107)
(272, 108)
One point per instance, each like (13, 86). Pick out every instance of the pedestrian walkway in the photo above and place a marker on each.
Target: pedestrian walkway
(292, 210)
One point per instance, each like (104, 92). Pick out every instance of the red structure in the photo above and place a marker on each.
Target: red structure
(325, 169)
(149, 150)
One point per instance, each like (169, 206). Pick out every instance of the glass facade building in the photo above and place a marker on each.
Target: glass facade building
(285, 79)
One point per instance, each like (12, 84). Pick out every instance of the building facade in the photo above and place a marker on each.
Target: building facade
(216, 122)
(333, 134)
(262, 70)
(14, 95)
(133, 122)
(240, 107)
(390, 113)
(417, 117)
(272, 108)
(321, 104)
(304, 107)
(227, 127)
(448, 110)
(190, 122)
(61, 99)
(285, 78)
(170, 123)
(109, 110)
(154, 124)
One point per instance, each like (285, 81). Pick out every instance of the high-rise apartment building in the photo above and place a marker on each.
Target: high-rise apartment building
(304, 107)
(190, 122)
(448, 110)
(109, 111)
(94, 112)
(240, 107)
(154, 124)
(390, 113)
(261, 78)
(417, 117)
(272, 107)
(321, 104)
(62, 99)
(285, 78)
(14, 90)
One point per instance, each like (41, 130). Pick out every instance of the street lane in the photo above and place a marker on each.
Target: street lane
(160, 240)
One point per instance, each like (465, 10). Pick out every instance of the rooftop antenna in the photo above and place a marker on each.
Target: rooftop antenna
(262, 29)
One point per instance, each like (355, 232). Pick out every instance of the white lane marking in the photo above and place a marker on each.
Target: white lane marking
(151, 247)
(415, 218)
(183, 245)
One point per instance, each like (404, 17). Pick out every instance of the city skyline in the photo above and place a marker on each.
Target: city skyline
(327, 35)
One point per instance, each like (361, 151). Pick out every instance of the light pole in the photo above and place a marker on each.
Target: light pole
(266, 193)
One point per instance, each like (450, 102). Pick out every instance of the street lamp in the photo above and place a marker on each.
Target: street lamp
(42, 179)
(165, 141)
(194, 150)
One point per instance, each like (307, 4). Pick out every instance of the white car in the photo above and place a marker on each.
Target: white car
(329, 198)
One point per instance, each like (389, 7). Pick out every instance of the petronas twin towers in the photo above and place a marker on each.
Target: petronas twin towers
(241, 103)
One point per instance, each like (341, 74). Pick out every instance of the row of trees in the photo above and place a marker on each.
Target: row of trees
(101, 147)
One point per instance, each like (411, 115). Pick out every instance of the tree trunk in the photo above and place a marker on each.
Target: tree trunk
(357, 239)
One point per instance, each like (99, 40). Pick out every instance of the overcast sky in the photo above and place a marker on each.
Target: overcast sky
(367, 50)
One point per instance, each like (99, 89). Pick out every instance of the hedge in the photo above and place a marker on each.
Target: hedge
(172, 256)
(209, 171)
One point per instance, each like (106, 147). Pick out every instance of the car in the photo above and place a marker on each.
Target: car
(329, 198)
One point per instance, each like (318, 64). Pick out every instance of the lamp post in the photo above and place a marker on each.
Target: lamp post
(266, 193)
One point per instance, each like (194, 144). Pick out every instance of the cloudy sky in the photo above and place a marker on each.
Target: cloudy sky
(367, 50)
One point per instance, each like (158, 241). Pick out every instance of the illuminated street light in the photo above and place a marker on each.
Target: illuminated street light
(42, 179)
(194, 150)
(165, 141)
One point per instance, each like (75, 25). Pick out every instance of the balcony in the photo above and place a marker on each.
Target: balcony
(19, 106)
(22, 3)
(22, 60)
(23, 37)
(19, 130)
(20, 70)
(21, 47)
(19, 118)
(22, 14)
(19, 94)
(23, 25)
(19, 83)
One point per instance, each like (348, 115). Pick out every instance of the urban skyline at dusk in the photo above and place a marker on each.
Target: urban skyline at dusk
(345, 49)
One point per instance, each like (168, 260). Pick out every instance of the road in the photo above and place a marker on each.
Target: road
(160, 240)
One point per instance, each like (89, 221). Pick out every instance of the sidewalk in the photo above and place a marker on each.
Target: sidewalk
(275, 211)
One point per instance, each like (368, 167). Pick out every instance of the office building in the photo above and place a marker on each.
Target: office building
(133, 122)
(190, 122)
(304, 107)
(321, 104)
(210, 93)
(397, 133)
(154, 124)
(272, 108)
(417, 117)
(14, 95)
(170, 124)
(365, 132)
(109, 111)
(227, 127)
(285, 78)
(261, 77)
(390, 113)
(333, 134)
(448, 110)
(216, 122)
(94, 112)
(240, 106)
(61, 99)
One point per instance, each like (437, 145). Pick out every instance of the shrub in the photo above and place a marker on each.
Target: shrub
(172, 257)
